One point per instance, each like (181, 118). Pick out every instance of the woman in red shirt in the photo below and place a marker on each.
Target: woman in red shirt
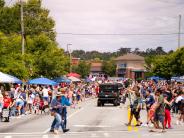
(7, 103)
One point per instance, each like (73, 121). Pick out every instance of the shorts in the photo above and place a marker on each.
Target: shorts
(135, 113)
(45, 98)
(20, 103)
(159, 118)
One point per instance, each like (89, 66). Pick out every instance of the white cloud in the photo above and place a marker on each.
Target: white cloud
(116, 16)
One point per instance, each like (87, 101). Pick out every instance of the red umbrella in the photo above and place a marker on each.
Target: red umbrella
(73, 75)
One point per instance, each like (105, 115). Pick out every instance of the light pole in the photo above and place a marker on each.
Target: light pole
(22, 26)
(70, 54)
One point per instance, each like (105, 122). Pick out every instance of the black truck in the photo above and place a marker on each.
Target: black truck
(109, 93)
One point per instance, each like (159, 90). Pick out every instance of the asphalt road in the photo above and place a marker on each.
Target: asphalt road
(86, 121)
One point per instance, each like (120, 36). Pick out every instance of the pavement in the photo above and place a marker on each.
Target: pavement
(86, 121)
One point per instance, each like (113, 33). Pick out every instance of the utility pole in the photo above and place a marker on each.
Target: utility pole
(22, 26)
(70, 54)
(179, 32)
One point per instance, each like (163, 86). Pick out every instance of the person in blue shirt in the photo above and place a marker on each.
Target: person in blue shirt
(149, 101)
(57, 105)
(65, 102)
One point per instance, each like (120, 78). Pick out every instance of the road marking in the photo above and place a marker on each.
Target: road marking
(45, 136)
(8, 137)
(93, 135)
(47, 130)
(90, 126)
(106, 134)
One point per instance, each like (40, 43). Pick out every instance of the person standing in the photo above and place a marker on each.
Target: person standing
(135, 109)
(56, 105)
(1, 104)
(159, 111)
(7, 104)
(64, 102)
(149, 102)
(45, 92)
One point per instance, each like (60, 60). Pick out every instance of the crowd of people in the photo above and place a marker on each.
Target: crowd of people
(36, 99)
(161, 100)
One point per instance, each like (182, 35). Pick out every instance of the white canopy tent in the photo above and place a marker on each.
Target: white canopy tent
(5, 78)
(74, 79)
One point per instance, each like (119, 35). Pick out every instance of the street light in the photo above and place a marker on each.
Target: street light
(70, 54)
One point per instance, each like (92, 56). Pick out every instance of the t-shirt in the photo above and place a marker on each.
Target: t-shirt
(7, 102)
(150, 100)
(45, 92)
(161, 109)
(136, 102)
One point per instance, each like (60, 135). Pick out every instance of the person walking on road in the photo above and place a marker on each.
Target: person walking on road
(64, 102)
(57, 106)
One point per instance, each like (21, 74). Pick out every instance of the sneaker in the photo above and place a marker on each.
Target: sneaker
(51, 130)
(170, 128)
(66, 130)
(145, 125)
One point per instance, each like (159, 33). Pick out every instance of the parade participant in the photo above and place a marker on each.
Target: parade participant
(180, 102)
(56, 105)
(57, 119)
(160, 111)
(135, 109)
(167, 101)
(65, 102)
(149, 102)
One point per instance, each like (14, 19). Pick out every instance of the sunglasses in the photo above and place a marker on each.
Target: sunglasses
(6, 95)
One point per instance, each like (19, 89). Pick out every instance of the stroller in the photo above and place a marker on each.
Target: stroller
(5, 115)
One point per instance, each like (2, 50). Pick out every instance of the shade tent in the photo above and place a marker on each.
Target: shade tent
(88, 80)
(5, 78)
(74, 79)
(73, 75)
(177, 79)
(42, 81)
(62, 80)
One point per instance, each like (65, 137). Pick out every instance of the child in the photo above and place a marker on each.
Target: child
(57, 118)
(36, 104)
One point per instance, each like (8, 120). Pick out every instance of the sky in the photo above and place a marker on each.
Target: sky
(116, 17)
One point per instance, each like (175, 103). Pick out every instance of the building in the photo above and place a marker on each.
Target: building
(96, 69)
(75, 61)
(130, 66)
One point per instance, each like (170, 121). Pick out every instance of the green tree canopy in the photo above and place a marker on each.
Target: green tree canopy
(83, 69)
(109, 67)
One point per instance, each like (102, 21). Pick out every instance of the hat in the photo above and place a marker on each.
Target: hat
(53, 110)
(59, 94)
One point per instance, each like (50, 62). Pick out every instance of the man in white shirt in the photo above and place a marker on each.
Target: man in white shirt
(45, 92)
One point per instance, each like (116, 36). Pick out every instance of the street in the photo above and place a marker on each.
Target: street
(86, 121)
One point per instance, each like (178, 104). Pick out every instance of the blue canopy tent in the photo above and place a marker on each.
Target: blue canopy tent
(5, 78)
(62, 80)
(88, 80)
(177, 79)
(42, 81)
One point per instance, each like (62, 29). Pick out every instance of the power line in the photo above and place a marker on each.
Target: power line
(119, 34)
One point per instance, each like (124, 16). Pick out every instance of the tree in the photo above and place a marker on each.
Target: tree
(169, 65)
(2, 3)
(42, 55)
(83, 69)
(109, 67)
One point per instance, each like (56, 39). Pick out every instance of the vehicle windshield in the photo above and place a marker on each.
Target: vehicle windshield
(108, 88)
